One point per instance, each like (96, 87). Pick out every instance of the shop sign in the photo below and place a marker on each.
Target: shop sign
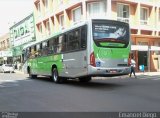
(17, 50)
(23, 32)
(5, 58)
(6, 54)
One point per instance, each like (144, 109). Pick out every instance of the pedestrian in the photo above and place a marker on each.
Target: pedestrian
(133, 65)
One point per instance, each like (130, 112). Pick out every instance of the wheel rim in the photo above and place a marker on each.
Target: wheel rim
(55, 76)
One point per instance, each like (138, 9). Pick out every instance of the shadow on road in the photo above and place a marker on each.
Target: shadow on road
(94, 84)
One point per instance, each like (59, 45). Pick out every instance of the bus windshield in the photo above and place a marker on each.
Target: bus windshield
(112, 35)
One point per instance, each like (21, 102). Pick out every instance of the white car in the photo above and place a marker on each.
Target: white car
(7, 68)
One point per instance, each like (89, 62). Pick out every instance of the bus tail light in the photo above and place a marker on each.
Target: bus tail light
(92, 60)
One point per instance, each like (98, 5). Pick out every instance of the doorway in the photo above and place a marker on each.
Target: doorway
(143, 59)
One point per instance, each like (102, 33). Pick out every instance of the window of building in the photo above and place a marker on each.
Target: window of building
(95, 9)
(38, 8)
(40, 30)
(8, 43)
(47, 24)
(123, 12)
(46, 5)
(4, 43)
(61, 20)
(144, 15)
(76, 14)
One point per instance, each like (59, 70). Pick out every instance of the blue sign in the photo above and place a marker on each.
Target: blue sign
(98, 64)
(141, 68)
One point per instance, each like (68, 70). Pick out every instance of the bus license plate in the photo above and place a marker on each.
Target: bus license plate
(113, 71)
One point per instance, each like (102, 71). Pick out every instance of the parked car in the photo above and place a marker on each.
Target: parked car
(7, 68)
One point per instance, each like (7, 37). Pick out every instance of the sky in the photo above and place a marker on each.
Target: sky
(13, 11)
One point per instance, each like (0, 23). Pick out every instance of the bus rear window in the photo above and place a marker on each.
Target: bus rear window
(110, 35)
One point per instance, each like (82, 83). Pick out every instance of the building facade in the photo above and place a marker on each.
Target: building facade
(5, 52)
(21, 34)
(52, 16)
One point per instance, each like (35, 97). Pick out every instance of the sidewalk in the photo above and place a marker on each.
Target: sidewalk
(19, 71)
(148, 73)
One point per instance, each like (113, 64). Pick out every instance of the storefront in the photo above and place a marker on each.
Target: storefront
(146, 51)
(21, 34)
(6, 57)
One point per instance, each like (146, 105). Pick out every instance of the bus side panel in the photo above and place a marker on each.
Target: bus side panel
(33, 66)
(74, 64)
(48, 61)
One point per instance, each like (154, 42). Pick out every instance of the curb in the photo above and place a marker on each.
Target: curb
(149, 73)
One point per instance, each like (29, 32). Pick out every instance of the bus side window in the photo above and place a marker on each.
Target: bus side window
(64, 43)
(35, 51)
(83, 37)
(73, 40)
(77, 40)
(27, 53)
(59, 46)
(70, 41)
(55, 45)
(30, 52)
(51, 49)
(38, 51)
(44, 48)
(24, 55)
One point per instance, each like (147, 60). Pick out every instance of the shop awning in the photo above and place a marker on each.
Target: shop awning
(145, 48)
(155, 48)
(139, 47)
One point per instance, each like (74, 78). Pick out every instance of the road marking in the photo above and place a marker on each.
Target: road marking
(7, 85)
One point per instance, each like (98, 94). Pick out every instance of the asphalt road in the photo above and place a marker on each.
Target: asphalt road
(21, 94)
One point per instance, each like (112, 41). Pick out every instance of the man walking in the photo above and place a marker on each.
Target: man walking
(133, 65)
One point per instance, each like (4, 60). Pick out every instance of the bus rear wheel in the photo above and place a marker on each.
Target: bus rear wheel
(55, 76)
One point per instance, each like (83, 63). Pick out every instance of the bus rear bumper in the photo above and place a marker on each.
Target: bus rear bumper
(104, 72)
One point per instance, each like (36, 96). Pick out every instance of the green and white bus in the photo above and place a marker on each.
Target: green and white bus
(96, 47)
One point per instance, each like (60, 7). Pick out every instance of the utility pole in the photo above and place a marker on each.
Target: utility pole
(149, 62)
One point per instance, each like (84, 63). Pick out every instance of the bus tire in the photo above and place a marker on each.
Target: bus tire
(85, 79)
(34, 76)
(55, 76)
